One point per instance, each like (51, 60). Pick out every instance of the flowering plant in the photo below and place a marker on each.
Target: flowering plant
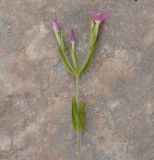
(75, 70)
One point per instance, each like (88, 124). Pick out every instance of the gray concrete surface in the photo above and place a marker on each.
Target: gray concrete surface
(35, 90)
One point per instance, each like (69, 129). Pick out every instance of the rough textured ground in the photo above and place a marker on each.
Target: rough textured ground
(35, 90)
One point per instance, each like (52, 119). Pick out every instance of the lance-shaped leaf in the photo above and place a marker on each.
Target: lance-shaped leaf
(62, 51)
(74, 59)
(73, 53)
(62, 48)
(78, 115)
(75, 115)
(56, 31)
(62, 43)
(57, 37)
(96, 29)
(65, 61)
(92, 41)
(82, 115)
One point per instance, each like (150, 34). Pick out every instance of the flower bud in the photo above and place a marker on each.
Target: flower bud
(55, 26)
(72, 36)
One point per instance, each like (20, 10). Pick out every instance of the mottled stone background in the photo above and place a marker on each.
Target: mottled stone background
(35, 90)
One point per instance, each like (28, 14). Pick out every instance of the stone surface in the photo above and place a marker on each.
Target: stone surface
(35, 90)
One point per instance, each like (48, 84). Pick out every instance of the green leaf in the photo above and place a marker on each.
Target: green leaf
(62, 43)
(82, 115)
(65, 61)
(96, 30)
(57, 37)
(91, 38)
(75, 114)
(74, 58)
(87, 60)
(62, 52)
(78, 115)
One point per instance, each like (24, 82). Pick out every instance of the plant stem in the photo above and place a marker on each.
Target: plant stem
(79, 144)
(77, 100)
(77, 89)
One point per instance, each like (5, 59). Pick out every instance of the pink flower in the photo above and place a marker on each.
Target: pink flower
(99, 16)
(72, 36)
(55, 25)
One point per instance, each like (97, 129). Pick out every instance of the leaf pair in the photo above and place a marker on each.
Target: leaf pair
(78, 115)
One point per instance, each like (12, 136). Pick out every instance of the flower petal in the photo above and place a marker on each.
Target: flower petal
(98, 16)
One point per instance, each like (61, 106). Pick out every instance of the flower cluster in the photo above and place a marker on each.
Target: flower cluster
(96, 17)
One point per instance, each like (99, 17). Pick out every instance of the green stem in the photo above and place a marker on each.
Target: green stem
(78, 132)
(77, 89)
(79, 144)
